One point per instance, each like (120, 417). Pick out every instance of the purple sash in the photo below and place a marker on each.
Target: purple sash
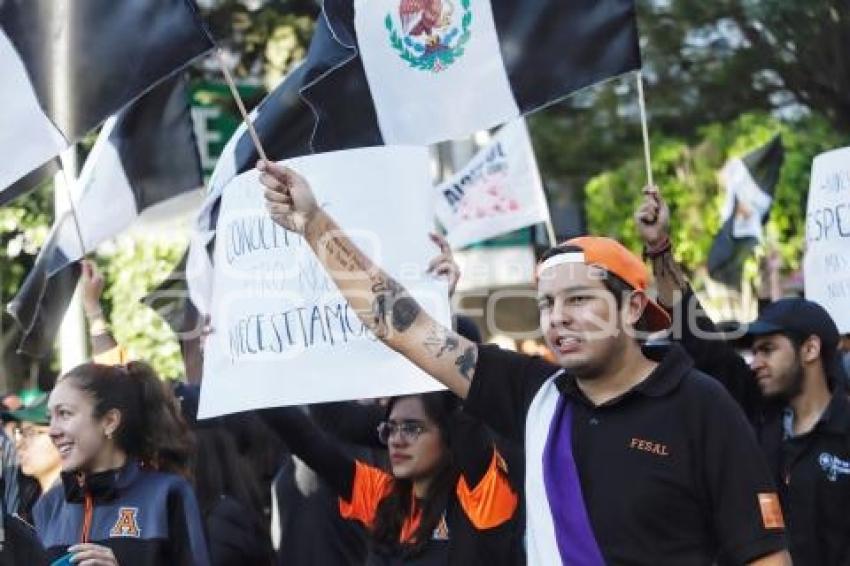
(573, 532)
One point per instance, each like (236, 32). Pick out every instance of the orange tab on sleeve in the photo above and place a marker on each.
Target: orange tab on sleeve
(771, 511)
(493, 501)
(116, 356)
(371, 485)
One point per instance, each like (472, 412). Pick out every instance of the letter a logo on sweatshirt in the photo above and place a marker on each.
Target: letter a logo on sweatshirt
(126, 525)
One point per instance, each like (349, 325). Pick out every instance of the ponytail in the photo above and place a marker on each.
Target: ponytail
(152, 429)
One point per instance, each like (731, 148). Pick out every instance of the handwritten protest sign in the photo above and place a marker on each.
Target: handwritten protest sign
(827, 263)
(498, 191)
(283, 333)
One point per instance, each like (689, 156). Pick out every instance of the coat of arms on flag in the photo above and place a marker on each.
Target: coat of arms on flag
(433, 33)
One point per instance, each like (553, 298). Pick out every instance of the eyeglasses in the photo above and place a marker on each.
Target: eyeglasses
(28, 433)
(409, 431)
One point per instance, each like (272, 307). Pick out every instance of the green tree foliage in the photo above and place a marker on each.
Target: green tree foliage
(132, 269)
(24, 224)
(686, 172)
(268, 37)
(704, 63)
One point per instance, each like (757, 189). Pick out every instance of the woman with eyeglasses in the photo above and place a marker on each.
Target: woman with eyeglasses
(122, 498)
(447, 497)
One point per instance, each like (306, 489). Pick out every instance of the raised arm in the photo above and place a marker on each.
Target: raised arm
(317, 449)
(102, 342)
(653, 223)
(696, 332)
(383, 305)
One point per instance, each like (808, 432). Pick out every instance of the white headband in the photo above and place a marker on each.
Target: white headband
(560, 259)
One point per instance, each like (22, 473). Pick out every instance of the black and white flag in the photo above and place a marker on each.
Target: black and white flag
(750, 182)
(67, 65)
(357, 87)
(437, 70)
(144, 159)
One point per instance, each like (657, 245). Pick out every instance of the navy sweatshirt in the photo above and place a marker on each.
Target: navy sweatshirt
(145, 517)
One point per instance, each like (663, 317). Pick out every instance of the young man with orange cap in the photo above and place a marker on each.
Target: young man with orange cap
(632, 456)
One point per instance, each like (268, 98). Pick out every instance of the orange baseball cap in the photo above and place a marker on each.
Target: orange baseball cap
(612, 256)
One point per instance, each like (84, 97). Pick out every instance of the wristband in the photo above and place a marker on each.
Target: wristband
(658, 250)
(95, 315)
(98, 327)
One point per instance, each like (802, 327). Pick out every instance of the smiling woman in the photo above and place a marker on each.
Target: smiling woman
(120, 440)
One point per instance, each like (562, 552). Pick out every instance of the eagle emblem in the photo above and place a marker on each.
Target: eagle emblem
(430, 35)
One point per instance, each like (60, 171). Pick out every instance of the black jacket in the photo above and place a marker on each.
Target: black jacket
(235, 536)
(812, 471)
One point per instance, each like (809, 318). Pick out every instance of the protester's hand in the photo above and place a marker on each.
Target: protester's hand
(93, 283)
(92, 555)
(289, 199)
(652, 218)
(444, 265)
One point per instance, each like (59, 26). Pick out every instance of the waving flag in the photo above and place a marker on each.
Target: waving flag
(498, 191)
(442, 69)
(366, 81)
(67, 65)
(750, 182)
(144, 158)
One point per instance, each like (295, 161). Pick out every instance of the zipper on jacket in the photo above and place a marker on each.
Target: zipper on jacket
(88, 511)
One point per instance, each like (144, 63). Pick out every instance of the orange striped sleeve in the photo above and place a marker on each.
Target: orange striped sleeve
(493, 501)
(371, 485)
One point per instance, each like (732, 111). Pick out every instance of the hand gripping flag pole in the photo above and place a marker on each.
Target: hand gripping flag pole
(235, 92)
(644, 128)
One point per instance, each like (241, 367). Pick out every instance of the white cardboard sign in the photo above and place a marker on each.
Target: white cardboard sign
(284, 335)
(497, 192)
(827, 263)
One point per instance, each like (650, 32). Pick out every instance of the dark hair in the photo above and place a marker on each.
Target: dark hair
(151, 429)
(829, 358)
(396, 507)
(613, 283)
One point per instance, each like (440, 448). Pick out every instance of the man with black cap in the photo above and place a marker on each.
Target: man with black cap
(792, 391)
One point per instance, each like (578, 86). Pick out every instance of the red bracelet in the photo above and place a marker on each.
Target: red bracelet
(659, 250)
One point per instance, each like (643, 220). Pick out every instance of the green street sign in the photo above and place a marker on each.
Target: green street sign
(216, 116)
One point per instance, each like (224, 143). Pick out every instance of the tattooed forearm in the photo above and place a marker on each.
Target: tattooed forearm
(440, 341)
(465, 363)
(392, 306)
(335, 246)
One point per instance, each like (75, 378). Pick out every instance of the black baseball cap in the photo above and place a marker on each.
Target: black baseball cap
(798, 317)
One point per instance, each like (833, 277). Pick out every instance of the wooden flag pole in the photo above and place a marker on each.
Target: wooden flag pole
(235, 92)
(550, 232)
(550, 227)
(644, 129)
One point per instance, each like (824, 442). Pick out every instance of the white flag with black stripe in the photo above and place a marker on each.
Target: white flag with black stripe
(68, 65)
(750, 183)
(437, 70)
(144, 158)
